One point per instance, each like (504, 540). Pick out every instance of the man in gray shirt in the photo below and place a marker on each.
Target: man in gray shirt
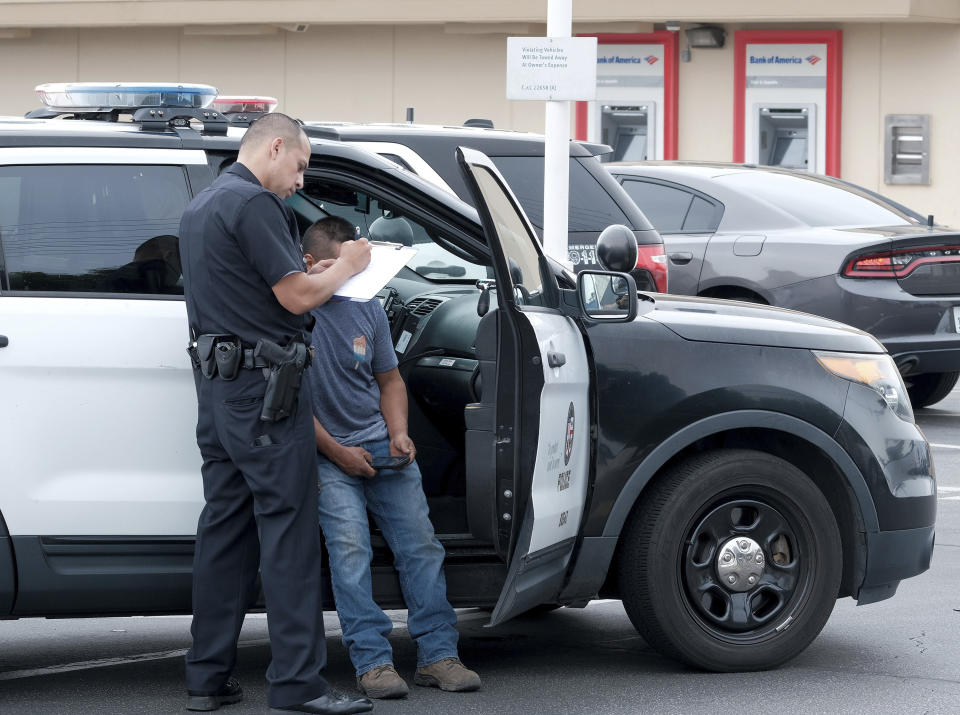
(360, 414)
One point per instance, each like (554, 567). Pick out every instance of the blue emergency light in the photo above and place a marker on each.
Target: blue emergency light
(125, 95)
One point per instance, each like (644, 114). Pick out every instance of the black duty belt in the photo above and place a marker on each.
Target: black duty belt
(224, 355)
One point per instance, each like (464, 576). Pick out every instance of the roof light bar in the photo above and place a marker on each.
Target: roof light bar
(125, 95)
(246, 104)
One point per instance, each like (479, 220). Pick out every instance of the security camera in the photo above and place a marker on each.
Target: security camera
(673, 25)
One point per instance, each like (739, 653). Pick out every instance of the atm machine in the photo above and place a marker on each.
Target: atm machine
(786, 135)
(782, 116)
(629, 129)
(630, 89)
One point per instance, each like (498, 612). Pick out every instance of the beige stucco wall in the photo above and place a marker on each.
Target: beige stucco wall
(705, 98)
(365, 73)
(903, 69)
(919, 69)
(450, 73)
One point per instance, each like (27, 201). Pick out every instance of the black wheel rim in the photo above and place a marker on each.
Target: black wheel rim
(768, 606)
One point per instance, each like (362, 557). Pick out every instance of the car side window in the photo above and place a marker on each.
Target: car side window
(665, 206)
(92, 228)
(334, 199)
(702, 217)
(591, 207)
(378, 220)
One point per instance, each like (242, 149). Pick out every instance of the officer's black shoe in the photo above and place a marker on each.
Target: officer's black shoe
(333, 702)
(229, 693)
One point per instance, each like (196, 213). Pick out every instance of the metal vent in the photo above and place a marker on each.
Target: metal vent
(907, 149)
(423, 306)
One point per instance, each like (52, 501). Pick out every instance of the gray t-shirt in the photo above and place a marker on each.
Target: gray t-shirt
(352, 342)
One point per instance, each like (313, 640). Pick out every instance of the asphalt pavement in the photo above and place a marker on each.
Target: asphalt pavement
(897, 656)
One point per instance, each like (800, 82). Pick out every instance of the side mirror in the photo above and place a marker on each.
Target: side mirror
(617, 249)
(607, 297)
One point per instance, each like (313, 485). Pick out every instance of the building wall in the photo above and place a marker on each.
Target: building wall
(705, 87)
(450, 73)
(918, 68)
(366, 73)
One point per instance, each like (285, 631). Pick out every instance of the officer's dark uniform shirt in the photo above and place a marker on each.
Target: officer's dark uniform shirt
(237, 240)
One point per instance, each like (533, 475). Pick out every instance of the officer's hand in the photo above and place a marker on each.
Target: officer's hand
(321, 266)
(355, 254)
(402, 446)
(354, 462)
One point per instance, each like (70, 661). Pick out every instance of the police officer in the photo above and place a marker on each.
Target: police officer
(245, 283)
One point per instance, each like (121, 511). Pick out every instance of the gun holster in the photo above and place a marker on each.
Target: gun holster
(286, 366)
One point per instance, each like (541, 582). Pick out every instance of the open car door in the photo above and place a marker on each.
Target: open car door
(550, 444)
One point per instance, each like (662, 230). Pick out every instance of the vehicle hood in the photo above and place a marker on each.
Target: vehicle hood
(728, 321)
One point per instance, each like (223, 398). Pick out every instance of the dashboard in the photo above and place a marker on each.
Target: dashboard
(433, 327)
(426, 316)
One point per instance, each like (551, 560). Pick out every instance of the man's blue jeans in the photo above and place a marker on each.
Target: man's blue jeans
(395, 499)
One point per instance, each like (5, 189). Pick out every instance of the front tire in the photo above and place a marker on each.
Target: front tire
(731, 516)
(929, 388)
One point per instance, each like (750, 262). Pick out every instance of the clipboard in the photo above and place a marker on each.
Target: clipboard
(386, 260)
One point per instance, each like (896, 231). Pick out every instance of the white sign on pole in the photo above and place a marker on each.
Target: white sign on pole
(552, 68)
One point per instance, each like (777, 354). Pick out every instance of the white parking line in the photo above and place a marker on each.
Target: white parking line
(943, 491)
(105, 662)
(140, 657)
(945, 446)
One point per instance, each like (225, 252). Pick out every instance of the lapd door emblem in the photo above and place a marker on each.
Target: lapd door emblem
(568, 446)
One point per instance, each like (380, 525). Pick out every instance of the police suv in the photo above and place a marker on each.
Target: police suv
(727, 470)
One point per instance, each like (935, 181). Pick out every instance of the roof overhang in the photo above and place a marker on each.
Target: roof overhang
(504, 16)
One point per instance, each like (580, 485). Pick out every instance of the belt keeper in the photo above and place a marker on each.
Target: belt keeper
(251, 361)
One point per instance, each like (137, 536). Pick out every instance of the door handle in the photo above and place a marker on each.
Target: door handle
(556, 359)
(3, 341)
(681, 259)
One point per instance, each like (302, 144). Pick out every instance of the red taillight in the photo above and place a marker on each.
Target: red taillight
(898, 264)
(651, 258)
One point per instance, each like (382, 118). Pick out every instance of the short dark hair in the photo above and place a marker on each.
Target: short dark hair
(270, 126)
(318, 238)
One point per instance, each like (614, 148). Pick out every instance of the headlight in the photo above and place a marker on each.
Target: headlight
(875, 371)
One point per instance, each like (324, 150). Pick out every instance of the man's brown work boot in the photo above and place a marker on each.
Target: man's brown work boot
(447, 674)
(382, 683)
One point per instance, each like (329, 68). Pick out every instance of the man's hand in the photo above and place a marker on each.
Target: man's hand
(402, 446)
(354, 461)
(321, 266)
(355, 254)
(301, 292)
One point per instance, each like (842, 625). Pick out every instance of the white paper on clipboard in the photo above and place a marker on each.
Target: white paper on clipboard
(386, 260)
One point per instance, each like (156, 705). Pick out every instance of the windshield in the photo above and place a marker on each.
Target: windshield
(818, 201)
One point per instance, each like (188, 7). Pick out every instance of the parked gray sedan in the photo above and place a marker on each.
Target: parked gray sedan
(814, 244)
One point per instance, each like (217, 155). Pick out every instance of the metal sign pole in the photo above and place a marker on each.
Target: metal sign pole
(556, 173)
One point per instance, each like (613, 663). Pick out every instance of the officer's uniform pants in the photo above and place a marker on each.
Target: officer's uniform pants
(259, 480)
